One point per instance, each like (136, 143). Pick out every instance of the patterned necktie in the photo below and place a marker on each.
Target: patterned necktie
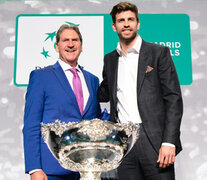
(77, 89)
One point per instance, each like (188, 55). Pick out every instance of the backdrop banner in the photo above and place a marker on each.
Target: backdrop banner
(35, 41)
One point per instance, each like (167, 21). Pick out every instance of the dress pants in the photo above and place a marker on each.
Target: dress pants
(72, 176)
(141, 162)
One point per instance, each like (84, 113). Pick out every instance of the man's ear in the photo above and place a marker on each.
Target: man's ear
(114, 27)
(138, 26)
(56, 48)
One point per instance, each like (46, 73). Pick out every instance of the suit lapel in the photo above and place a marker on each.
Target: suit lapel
(114, 69)
(62, 79)
(142, 65)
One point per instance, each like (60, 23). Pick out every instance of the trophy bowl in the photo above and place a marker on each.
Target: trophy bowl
(89, 146)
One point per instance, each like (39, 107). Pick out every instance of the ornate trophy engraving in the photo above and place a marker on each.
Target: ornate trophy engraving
(89, 147)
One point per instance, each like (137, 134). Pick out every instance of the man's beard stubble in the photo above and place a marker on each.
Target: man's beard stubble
(127, 41)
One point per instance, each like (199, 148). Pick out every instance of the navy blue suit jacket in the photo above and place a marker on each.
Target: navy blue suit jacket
(50, 97)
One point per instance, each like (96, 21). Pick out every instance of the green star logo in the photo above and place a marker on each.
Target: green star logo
(72, 24)
(50, 36)
(50, 43)
(45, 53)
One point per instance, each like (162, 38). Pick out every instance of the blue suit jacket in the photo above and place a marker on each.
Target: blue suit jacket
(50, 97)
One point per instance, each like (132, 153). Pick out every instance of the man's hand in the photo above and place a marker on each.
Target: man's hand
(166, 156)
(39, 175)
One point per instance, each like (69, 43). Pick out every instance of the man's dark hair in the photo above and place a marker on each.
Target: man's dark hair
(123, 6)
(66, 26)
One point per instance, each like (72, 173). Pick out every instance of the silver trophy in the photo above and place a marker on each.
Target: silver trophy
(90, 147)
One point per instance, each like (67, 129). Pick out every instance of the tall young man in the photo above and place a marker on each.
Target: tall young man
(141, 83)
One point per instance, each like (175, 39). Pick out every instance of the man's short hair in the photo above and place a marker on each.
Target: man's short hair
(123, 6)
(66, 26)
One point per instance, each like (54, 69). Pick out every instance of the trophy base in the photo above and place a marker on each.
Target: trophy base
(90, 175)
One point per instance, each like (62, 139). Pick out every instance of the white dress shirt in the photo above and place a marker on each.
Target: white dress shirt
(126, 84)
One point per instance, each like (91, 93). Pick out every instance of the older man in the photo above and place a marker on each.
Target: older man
(62, 91)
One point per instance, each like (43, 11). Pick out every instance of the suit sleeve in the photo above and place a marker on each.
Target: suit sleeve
(32, 119)
(97, 88)
(103, 93)
(171, 93)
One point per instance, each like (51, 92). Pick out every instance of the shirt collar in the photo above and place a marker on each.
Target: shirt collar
(136, 47)
(66, 66)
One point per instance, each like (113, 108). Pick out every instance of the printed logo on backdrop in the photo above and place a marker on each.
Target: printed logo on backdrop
(35, 41)
(173, 46)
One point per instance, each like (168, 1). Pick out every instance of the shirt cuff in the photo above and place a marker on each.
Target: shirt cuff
(168, 144)
(35, 170)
